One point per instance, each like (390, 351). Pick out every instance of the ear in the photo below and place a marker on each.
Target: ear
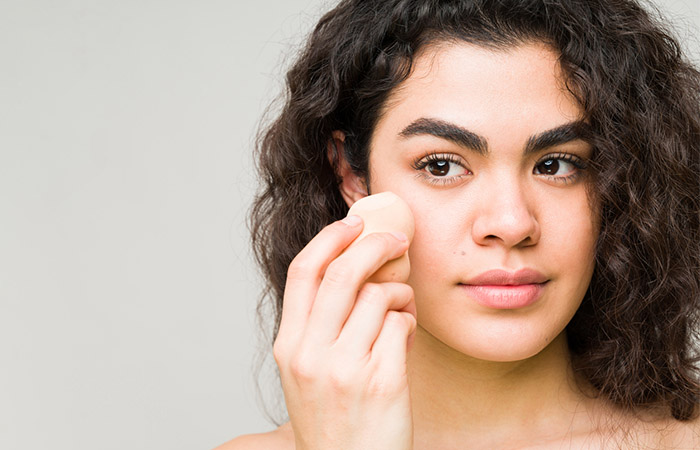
(352, 187)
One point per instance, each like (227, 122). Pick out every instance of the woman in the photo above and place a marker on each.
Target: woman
(550, 154)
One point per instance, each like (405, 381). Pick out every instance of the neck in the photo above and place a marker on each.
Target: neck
(455, 395)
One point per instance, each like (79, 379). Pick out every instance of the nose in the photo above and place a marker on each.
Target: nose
(505, 216)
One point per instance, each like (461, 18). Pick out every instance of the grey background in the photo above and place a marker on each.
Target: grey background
(127, 288)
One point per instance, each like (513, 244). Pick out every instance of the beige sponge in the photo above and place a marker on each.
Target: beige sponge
(386, 212)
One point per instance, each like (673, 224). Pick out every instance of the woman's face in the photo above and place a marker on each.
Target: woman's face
(480, 143)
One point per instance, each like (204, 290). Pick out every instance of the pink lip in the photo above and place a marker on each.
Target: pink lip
(500, 289)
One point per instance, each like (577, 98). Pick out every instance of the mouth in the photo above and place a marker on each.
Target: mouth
(500, 289)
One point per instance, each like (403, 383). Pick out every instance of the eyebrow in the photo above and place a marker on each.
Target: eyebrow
(572, 131)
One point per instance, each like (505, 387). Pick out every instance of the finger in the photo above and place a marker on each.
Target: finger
(343, 279)
(390, 349)
(306, 271)
(368, 314)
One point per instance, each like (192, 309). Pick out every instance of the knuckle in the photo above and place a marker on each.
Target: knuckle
(371, 294)
(379, 386)
(407, 290)
(300, 268)
(393, 318)
(404, 292)
(340, 380)
(410, 321)
(279, 352)
(382, 239)
(401, 320)
(339, 273)
(303, 367)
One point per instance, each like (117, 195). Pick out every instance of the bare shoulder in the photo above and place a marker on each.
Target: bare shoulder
(280, 439)
(647, 428)
(680, 435)
(666, 433)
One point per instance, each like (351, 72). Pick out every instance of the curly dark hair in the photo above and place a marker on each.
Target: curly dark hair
(634, 336)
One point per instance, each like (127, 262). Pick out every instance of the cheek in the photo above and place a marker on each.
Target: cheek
(569, 233)
(442, 239)
(568, 249)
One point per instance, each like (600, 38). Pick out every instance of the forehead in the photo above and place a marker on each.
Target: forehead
(520, 89)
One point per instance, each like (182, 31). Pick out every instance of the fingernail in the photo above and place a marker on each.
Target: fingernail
(352, 221)
(399, 235)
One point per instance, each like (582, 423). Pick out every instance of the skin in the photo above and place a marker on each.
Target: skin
(474, 376)
(496, 212)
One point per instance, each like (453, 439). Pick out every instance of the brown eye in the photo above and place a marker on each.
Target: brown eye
(439, 168)
(560, 167)
(444, 168)
(548, 167)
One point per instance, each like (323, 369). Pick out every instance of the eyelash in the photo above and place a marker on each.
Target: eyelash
(566, 157)
(419, 164)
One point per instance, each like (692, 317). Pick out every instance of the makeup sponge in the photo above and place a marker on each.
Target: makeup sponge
(386, 212)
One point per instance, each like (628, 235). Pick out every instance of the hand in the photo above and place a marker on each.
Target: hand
(342, 343)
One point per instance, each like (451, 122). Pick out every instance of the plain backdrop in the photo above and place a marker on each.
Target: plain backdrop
(127, 287)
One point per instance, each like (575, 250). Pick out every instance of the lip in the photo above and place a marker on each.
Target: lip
(500, 289)
(503, 278)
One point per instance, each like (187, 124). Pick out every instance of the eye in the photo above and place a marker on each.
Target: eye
(440, 168)
(443, 168)
(561, 167)
(553, 166)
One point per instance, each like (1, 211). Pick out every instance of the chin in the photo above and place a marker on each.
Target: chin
(501, 343)
(504, 353)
